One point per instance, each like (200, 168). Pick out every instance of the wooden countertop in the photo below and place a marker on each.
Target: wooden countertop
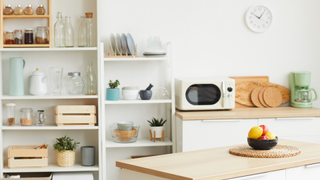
(217, 163)
(250, 113)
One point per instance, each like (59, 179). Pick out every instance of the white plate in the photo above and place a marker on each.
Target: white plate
(130, 42)
(113, 42)
(118, 42)
(124, 43)
(154, 52)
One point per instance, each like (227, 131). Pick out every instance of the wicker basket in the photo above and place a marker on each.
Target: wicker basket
(66, 158)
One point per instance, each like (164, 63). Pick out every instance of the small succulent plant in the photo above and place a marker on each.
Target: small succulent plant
(157, 122)
(114, 84)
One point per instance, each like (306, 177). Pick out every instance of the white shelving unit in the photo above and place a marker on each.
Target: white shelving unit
(71, 60)
(136, 71)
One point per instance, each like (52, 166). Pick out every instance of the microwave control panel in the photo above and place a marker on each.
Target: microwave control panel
(230, 93)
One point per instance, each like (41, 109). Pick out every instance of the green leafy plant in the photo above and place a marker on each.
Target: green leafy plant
(65, 143)
(114, 84)
(157, 122)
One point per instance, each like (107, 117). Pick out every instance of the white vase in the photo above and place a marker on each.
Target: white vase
(158, 130)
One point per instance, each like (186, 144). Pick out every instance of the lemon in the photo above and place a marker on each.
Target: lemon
(270, 135)
(255, 132)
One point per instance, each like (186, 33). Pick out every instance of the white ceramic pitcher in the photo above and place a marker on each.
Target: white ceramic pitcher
(38, 83)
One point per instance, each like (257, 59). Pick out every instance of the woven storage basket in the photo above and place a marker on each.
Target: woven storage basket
(66, 158)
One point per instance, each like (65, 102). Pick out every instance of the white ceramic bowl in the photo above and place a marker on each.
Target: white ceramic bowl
(130, 94)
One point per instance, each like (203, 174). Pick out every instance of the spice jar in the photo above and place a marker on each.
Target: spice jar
(40, 10)
(18, 36)
(10, 113)
(26, 117)
(28, 10)
(42, 35)
(28, 36)
(8, 10)
(18, 10)
(40, 118)
(9, 37)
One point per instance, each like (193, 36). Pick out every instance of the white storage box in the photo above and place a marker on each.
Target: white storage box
(72, 176)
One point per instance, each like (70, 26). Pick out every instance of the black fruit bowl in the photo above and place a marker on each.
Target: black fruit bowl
(260, 144)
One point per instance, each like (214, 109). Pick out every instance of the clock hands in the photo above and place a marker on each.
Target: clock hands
(255, 15)
(262, 14)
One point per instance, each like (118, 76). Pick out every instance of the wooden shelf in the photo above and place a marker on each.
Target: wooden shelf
(24, 16)
(139, 143)
(47, 127)
(54, 168)
(26, 45)
(155, 101)
(31, 97)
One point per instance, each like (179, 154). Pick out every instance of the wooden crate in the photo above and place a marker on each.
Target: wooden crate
(75, 115)
(27, 157)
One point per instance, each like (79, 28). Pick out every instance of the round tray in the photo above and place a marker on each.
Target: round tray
(279, 151)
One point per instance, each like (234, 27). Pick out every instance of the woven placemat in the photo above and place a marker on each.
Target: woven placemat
(279, 151)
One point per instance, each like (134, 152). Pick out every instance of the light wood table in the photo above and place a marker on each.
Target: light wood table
(212, 164)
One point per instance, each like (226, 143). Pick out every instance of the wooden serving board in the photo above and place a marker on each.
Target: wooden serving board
(241, 79)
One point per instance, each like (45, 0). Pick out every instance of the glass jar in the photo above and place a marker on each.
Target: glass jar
(42, 35)
(18, 36)
(9, 37)
(40, 10)
(75, 83)
(8, 10)
(59, 33)
(40, 118)
(82, 39)
(18, 10)
(28, 10)
(162, 93)
(10, 113)
(69, 32)
(28, 36)
(90, 30)
(26, 118)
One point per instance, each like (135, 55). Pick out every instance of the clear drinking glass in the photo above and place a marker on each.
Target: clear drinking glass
(59, 33)
(69, 32)
(90, 31)
(82, 39)
(91, 81)
(56, 80)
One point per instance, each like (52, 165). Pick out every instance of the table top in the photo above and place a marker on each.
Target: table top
(217, 163)
(250, 113)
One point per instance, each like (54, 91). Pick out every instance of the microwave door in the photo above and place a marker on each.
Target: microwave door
(203, 94)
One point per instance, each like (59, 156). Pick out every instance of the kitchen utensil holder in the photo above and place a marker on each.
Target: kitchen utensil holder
(153, 138)
(121, 55)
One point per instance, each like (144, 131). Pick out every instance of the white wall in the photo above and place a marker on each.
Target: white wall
(210, 37)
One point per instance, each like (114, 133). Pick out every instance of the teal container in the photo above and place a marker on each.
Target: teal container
(113, 94)
(16, 86)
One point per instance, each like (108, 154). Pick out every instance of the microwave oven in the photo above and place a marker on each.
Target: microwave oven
(204, 94)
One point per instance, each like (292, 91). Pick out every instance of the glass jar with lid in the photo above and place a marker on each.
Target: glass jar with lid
(8, 10)
(26, 118)
(28, 10)
(40, 10)
(18, 10)
(9, 37)
(41, 34)
(18, 36)
(28, 36)
(11, 113)
(40, 118)
(75, 83)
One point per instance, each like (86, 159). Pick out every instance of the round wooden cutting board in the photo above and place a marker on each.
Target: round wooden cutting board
(272, 97)
(255, 97)
(261, 97)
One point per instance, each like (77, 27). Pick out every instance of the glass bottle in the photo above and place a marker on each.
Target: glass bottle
(91, 81)
(59, 33)
(40, 118)
(89, 29)
(69, 32)
(75, 83)
(18, 10)
(82, 39)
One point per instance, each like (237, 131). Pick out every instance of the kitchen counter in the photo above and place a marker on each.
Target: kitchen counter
(216, 163)
(250, 113)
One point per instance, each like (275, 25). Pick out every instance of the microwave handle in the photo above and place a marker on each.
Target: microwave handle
(223, 93)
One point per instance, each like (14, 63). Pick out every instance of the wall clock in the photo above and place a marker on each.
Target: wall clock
(258, 18)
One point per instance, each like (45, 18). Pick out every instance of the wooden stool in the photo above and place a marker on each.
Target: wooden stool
(154, 138)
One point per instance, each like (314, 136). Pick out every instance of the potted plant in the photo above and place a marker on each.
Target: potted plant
(157, 126)
(66, 151)
(113, 93)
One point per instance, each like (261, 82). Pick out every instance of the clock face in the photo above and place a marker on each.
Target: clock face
(258, 18)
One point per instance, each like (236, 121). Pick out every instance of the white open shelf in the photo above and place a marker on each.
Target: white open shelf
(29, 97)
(156, 101)
(139, 143)
(53, 168)
(47, 127)
(138, 59)
(50, 49)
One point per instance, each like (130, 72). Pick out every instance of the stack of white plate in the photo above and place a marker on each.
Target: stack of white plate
(124, 42)
(154, 47)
